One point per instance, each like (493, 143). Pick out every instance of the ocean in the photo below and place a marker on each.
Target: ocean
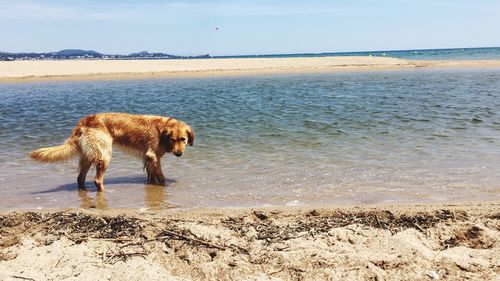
(417, 54)
(345, 138)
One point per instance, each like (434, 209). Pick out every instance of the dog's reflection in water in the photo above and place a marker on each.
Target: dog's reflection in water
(99, 202)
(155, 198)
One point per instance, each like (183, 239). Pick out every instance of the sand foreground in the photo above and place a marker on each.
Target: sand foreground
(20, 71)
(445, 242)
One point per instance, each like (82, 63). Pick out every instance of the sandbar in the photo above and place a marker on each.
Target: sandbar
(43, 70)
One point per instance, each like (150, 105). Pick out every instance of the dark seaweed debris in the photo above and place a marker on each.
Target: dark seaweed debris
(316, 222)
(75, 225)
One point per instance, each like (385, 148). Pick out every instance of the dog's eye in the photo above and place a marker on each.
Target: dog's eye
(182, 139)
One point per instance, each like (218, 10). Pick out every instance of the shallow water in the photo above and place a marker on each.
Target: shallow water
(318, 139)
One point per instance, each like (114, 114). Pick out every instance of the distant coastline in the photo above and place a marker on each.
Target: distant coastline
(77, 54)
(414, 54)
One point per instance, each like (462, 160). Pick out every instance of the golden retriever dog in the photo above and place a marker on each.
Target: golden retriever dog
(146, 136)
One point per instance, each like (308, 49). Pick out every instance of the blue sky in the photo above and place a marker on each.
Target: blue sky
(222, 27)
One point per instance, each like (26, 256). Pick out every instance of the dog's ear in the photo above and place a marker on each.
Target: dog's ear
(167, 127)
(190, 133)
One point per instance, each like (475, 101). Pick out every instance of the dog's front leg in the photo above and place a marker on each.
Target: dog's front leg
(161, 177)
(153, 169)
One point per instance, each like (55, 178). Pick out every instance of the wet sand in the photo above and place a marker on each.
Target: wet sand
(22, 71)
(405, 242)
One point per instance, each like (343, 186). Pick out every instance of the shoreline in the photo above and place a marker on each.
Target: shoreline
(84, 70)
(228, 211)
(411, 242)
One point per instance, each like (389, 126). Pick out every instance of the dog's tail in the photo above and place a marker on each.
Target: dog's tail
(56, 153)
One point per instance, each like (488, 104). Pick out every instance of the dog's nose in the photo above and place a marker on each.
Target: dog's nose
(178, 154)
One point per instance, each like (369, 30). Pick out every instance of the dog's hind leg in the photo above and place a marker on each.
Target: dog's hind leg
(83, 168)
(100, 167)
(97, 147)
(101, 164)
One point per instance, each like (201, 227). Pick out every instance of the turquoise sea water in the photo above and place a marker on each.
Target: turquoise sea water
(426, 54)
(315, 139)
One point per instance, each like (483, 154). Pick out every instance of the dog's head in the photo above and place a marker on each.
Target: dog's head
(178, 134)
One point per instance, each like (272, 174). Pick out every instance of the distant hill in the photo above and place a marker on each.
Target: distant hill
(140, 54)
(148, 55)
(76, 52)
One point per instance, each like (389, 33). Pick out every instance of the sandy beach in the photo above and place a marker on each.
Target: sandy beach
(21, 71)
(410, 242)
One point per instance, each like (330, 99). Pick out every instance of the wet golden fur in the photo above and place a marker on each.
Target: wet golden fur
(146, 136)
